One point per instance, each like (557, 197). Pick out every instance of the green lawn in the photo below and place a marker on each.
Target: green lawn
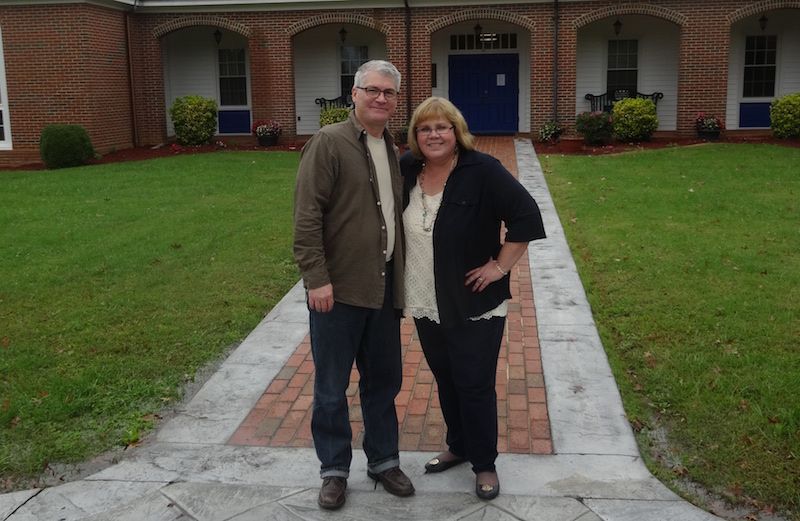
(691, 261)
(119, 281)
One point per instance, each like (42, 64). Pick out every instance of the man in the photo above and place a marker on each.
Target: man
(349, 247)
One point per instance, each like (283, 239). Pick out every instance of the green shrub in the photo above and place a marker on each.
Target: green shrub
(634, 119)
(65, 145)
(595, 127)
(785, 116)
(550, 132)
(333, 115)
(194, 119)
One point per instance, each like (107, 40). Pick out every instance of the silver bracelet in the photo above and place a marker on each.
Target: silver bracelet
(500, 269)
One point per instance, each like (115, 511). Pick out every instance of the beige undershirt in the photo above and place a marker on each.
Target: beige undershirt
(420, 283)
(380, 158)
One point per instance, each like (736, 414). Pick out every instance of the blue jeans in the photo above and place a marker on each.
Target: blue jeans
(371, 337)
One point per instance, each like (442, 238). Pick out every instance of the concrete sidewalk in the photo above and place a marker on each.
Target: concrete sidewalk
(194, 468)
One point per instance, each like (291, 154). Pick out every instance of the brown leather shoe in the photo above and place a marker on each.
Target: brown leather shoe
(331, 495)
(394, 481)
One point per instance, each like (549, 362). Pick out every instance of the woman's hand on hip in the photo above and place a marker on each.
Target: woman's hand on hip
(484, 275)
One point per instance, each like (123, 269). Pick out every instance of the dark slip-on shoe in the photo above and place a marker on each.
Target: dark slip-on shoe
(439, 465)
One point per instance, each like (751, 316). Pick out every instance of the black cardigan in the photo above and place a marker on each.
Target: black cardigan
(479, 194)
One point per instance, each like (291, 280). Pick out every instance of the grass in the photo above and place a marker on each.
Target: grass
(118, 282)
(691, 261)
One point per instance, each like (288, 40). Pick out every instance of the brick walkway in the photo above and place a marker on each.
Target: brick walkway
(282, 416)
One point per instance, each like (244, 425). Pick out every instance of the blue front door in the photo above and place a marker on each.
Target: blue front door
(485, 87)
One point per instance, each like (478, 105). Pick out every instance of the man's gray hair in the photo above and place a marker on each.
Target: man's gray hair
(381, 67)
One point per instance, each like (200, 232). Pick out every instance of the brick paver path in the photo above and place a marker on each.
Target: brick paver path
(282, 416)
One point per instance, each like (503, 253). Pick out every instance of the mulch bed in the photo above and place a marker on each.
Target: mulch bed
(564, 146)
(577, 146)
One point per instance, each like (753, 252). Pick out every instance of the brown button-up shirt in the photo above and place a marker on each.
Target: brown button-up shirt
(339, 231)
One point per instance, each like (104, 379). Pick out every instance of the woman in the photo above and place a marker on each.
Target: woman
(456, 275)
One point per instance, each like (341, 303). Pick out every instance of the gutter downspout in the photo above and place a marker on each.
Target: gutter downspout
(131, 92)
(408, 60)
(555, 60)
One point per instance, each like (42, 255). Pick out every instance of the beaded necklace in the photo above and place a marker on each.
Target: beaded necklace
(427, 212)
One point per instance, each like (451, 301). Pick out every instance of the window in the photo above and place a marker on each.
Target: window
(352, 58)
(5, 131)
(623, 63)
(759, 66)
(232, 77)
(466, 42)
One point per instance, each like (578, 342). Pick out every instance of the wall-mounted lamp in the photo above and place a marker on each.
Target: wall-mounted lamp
(617, 27)
(218, 36)
(762, 22)
(343, 34)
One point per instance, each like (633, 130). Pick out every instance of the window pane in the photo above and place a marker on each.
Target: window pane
(759, 69)
(347, 82)
(622, 80)
(622, 73)
(233, 91)
(352, 58)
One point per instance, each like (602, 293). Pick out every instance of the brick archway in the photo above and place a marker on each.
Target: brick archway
(627, 9)
(483, 14)
(760, 7)
(201, 20)
(337, 18)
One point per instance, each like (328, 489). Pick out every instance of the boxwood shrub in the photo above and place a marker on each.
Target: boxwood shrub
(63, 146)
(194, 119)
(785, 116)
(634, 119)
(333, 115)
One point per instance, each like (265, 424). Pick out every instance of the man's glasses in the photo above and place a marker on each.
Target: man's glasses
(374, 92)
(439, 129)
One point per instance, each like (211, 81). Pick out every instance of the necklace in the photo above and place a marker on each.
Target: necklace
(428, 213)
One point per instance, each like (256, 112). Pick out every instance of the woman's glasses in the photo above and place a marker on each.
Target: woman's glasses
(439, 129)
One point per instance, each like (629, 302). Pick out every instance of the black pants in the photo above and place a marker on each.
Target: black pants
(463, 360)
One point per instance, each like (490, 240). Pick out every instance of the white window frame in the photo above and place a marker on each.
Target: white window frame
(5, 143)
(339, 73)
(607, 55)
(777, 65)
(218, 79)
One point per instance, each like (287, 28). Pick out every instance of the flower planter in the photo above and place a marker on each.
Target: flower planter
(267, 141)
(709, 135)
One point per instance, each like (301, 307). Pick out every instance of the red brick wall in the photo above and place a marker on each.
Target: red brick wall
(65, 64)
(69, 63)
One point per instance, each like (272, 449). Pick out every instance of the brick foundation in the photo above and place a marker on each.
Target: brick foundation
(70, 63)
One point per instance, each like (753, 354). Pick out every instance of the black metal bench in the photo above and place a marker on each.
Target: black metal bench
(604, 102)
(343, 101)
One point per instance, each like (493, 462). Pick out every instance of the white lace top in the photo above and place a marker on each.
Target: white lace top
(419, 280)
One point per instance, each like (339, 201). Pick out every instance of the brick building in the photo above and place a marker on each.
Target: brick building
(115, 66)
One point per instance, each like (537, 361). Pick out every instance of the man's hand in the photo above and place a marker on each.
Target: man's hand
(321, 299)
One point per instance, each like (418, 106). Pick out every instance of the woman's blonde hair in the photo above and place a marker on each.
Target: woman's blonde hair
(435, 107)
